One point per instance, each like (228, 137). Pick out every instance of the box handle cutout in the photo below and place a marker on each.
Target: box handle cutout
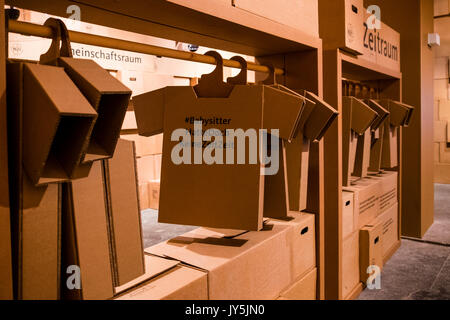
(305, 230)
(377, 239)
(347, 203)
(354, 9)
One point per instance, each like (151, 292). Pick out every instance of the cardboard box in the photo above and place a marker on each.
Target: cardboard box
(350, 264)
(357, 118)
(108, 96)
(178, 283)
(247, 266)
(154, 266)
(194, 183)
(153, 194)
(367, 200)
(348, 214)
(390, 235)
(370, 249)
(388, 189)
(86, 240)
(303, 289)
(143, 196)
(54, 121)
(342, 25)
(146, 169)
(440, 131)
(124, 214)
(299, 14)
(444, 110)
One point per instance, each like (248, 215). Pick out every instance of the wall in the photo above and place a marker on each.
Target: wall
(414, 20)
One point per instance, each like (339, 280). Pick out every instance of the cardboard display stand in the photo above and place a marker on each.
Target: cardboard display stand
(107, 95)
(208, 194)
(357, 118)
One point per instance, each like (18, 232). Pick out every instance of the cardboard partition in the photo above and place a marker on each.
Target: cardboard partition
(350, 264)
(367, 200)
(124, 216)
(348, 214)
(52, 129)
(304, 289)
(342, 25)
(390, 235)
(36, 231)
(86, 241)
(357, 118)
(247, 266)
(178, 283)
(154, 187)
(108, 96)
(200, 187)
(370, 249)
(388, 189)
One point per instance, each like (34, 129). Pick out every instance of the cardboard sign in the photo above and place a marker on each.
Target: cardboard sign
(208, 195)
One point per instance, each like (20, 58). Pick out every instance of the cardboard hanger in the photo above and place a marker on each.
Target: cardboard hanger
(211, 85)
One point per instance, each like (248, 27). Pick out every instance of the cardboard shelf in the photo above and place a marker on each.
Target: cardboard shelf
(207, 23)
(363, 70)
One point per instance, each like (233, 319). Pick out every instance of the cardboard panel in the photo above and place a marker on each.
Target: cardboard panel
(348, 212)
(390, 236)
(154, 187)
(388, 189)
(437, 147)
(321, 118)
(143, 196)
(6, 290)
(350, 264)
(86, 242)
(362, 159)
(444, 153)
(37, 242)
(300, 14)
(440, 131)
(154, 266)
(178, 283)
(370, 249)
(108, 96)
(146, 146)
(444, 110)
(124, 214)
(303, 289)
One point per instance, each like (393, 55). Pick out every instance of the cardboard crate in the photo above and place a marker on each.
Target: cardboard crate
(390, 236)
(52, 120)
(370, 249)
(350, 264)
(303, 289)
(249, 265)
(342, 25)
(299, 14)
(367, 200)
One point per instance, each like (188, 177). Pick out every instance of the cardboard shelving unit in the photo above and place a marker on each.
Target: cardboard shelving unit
(217, 24)
(340, 66)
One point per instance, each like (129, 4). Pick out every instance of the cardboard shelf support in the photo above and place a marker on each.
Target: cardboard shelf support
(31, 29)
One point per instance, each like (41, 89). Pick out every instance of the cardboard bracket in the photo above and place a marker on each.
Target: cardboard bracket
(241, 78)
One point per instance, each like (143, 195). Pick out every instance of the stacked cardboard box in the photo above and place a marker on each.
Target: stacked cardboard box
(278, 261)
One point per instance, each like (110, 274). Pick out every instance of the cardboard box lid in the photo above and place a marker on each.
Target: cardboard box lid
(154, 266)
(178, 283)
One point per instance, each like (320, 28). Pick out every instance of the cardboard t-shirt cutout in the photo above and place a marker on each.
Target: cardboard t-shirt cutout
(229, 196)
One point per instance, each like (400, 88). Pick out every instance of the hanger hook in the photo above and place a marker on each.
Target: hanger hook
(60, 46)
(271, 78)
(241, 78)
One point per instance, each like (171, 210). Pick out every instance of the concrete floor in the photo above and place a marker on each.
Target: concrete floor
(420, 270)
